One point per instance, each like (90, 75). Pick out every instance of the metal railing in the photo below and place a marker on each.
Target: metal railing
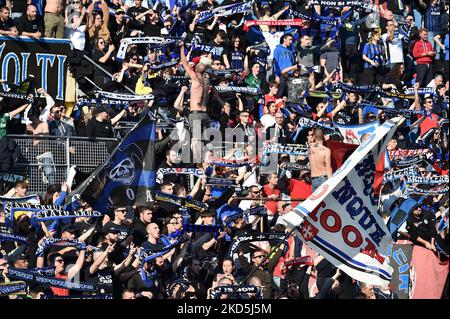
(46, 160)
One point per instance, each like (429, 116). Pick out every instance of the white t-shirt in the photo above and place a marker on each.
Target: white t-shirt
(394, 49)
(267, 120)
(272, 39)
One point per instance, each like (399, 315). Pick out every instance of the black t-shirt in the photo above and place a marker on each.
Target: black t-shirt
(152, 30)
(393, 5)
(7, 25)
(164, 210)
(31, 26)
(6, 246)
(173, 178)
(123, 230)
(100, 129)
(139, 232)
(19, 6)
(106, 281)
(134, 12)
(153, 247)
(108, 65)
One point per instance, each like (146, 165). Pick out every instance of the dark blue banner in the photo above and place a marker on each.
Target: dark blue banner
(128, 176)
(46, 59)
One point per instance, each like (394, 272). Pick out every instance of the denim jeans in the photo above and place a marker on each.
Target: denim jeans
(317, 181)
(49, 171)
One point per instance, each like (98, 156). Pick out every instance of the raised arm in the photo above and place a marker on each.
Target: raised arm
(94, 267)
(78, 265)
(105, 11)
(18, 110)
(280, 13)
(117, 118)
(185, 64)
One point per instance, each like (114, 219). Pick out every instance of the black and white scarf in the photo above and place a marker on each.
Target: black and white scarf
(439, 179)
(301, 150)
(28, 276)
(248, 289)
(238, 89)
(225, 11)
(8, 288)
(123, 97)
(399, 174)
(255, 237)
(59, 242)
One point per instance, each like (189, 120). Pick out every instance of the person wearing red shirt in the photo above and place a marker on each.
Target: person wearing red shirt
(271, 190)
(300, 188)
(270, 97)
(429, 122)
(423, 54)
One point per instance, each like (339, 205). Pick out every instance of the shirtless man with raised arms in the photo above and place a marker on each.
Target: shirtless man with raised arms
(54, 19)
(320, 160)
(199, 97)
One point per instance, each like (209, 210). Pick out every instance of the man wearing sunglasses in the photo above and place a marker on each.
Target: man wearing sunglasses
(58, 128)
(264, 271)
(432, 120)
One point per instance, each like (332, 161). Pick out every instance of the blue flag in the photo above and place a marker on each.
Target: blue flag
(128, 176)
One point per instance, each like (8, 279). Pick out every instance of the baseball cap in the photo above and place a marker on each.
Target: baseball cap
(102, 108)
(17, 254)
(119, 10)
(110, 230)
(68, 228)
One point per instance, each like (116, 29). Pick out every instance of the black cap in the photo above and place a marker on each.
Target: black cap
(102, 108)
(110, 230)
(68, 228)
(17, 254)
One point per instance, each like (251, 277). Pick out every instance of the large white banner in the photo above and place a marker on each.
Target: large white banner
(340, 220)
(352, 133)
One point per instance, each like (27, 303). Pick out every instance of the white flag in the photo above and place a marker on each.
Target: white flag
(352, 133)
(340, 220)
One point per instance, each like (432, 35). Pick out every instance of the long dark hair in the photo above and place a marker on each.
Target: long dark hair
(395, 71)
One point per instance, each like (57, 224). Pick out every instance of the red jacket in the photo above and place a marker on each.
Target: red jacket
(422, 47)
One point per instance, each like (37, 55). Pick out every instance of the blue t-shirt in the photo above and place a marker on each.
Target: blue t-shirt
(283, 58)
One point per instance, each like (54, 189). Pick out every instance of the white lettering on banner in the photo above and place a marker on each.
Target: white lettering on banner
(340, 220)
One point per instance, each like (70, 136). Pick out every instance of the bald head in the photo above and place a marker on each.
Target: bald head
(200, 68)
(31, 12)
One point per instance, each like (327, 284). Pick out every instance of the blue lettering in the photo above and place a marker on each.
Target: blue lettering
(44, 58)
(397, 254)
(378, 234)
(15, 58)
(404, 282)
(367, 220)
(344, 194)
(61, 77)
(403, 268)
(25, 56)
(355, 207)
